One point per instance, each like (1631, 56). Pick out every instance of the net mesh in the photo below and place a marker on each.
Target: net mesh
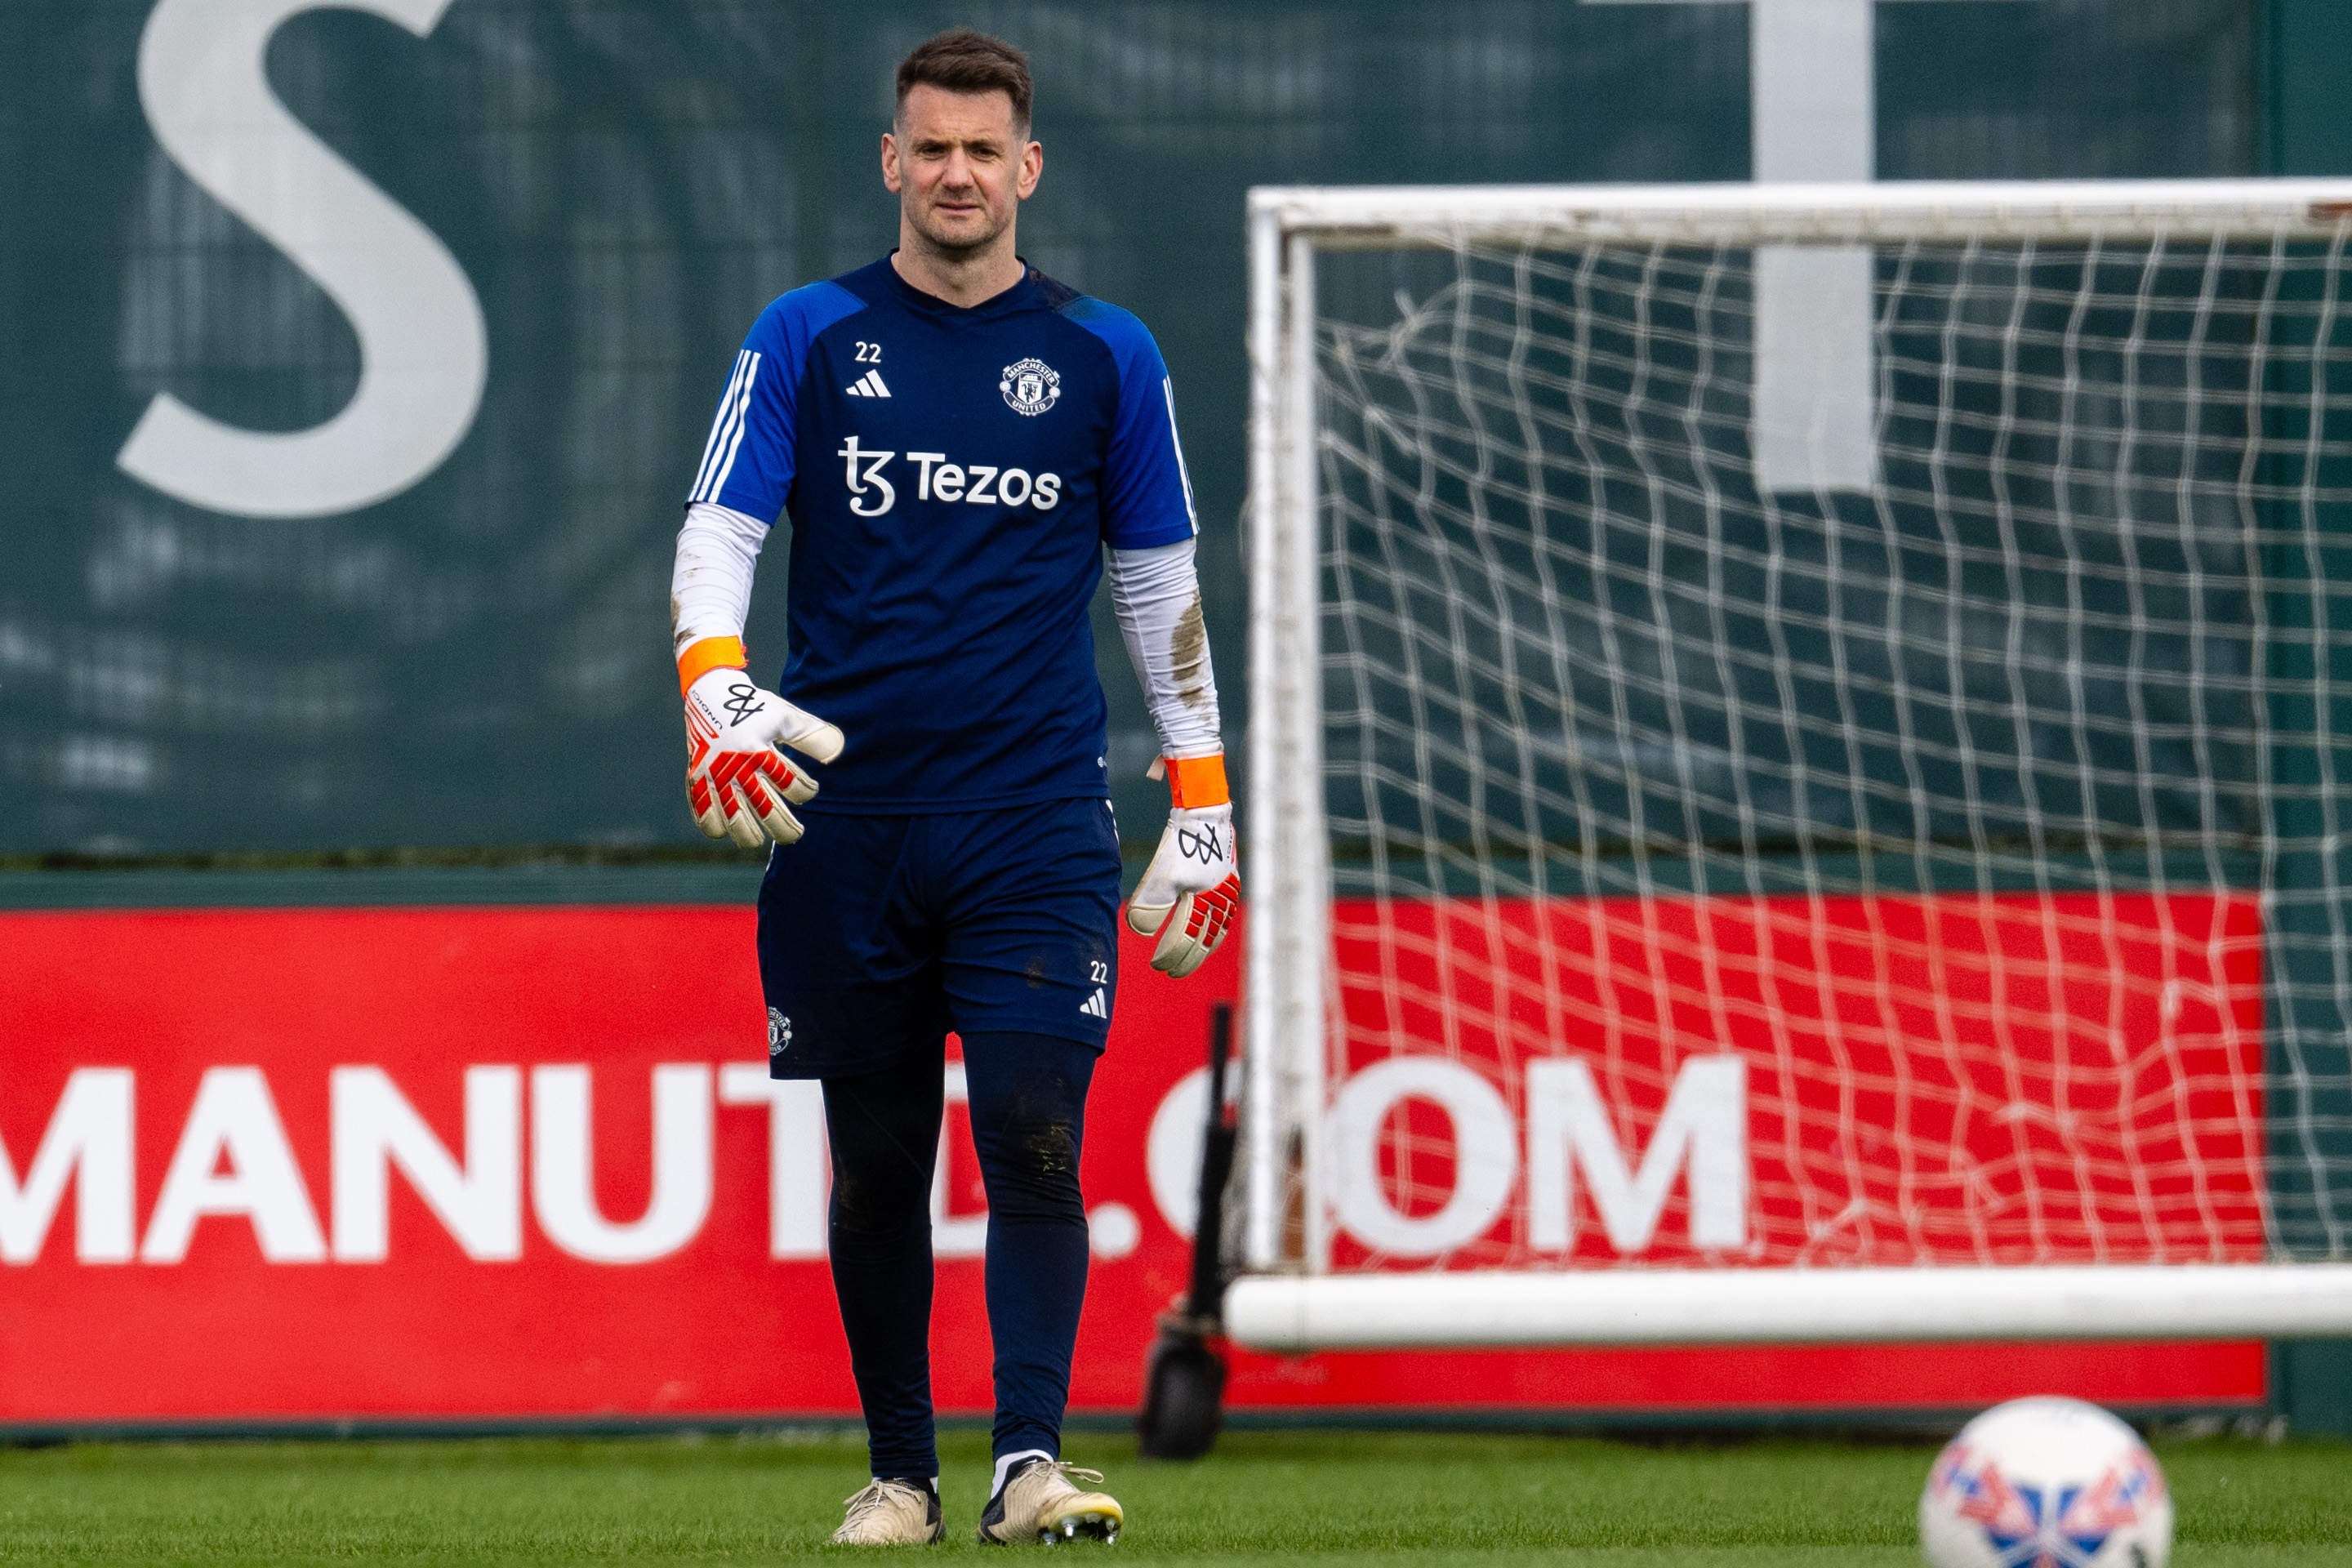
(1943, 866)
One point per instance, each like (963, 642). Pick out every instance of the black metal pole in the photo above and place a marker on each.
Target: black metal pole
(1208, 1299)
(1184, 1379)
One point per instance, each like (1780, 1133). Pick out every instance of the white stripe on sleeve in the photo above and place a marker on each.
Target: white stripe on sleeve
(735, 441)
(1168, 391)
(718, 423)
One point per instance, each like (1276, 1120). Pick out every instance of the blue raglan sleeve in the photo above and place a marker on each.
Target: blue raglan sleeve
(747, 462)
(1147, 497)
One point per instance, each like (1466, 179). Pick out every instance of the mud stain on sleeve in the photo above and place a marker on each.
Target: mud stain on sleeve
(1188, 656)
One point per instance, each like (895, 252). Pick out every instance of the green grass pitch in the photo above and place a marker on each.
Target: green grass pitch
(1324, 1497)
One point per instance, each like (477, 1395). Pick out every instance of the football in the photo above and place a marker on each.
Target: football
(2046, 1483)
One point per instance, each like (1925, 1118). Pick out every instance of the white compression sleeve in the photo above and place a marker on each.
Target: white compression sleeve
(1157, 593)
(710, 586)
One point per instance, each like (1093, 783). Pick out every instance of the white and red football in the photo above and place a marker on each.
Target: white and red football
(2046, 1483)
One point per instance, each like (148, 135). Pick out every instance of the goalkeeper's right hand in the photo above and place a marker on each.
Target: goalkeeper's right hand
(736, 780)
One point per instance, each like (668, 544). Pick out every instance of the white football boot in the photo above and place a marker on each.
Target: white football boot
(1039, 1502)
(892, 1513)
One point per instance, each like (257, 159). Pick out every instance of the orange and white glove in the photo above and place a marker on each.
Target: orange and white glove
(736, 780)
(1193, 885)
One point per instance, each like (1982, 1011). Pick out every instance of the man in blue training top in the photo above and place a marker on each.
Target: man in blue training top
(957, 437)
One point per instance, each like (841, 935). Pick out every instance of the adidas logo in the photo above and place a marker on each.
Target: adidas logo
(870, 385)
(1093, 1006)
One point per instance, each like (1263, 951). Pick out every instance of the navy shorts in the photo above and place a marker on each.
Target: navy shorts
(880, 935)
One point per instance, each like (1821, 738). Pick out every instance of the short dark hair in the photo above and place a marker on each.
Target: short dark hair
(963, 59)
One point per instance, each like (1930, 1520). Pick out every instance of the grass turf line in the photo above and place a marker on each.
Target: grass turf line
(1263, 1498)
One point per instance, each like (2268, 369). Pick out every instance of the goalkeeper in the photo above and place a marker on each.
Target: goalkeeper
(956, 436)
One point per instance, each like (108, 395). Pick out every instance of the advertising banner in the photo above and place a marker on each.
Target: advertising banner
(488, 1164)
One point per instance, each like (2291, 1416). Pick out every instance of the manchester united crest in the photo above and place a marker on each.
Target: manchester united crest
(1030, 386)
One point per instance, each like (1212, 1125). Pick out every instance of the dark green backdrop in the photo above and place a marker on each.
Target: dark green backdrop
(483, 658)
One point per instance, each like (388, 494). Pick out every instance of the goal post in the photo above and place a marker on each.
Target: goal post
(1794, 747)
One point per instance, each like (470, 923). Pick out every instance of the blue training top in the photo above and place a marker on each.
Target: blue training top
(952, 474)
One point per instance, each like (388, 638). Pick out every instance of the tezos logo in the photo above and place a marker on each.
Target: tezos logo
(1030, 386)
(871, 494)
(780, 1032)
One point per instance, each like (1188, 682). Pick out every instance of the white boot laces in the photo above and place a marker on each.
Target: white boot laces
(1069, 1472)
(864, 1505)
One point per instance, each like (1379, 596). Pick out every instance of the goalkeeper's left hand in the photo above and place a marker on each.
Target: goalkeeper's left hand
(1193, 885)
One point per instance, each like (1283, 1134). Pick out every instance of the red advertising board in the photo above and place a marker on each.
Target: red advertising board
(2009, 1079)
(468, 1164)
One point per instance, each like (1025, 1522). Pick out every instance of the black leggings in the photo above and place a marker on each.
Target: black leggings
(1028, 1095)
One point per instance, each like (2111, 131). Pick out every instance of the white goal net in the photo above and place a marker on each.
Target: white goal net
(1795, 736)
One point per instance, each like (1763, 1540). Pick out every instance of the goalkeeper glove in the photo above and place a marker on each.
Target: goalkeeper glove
(736, 780)
(1193, 885)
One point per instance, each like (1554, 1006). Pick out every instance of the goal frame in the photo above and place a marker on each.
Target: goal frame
(1285, 1298)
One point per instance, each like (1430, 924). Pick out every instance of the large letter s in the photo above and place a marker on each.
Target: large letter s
(423, 352)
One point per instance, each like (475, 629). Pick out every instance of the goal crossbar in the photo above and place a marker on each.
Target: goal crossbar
(1343, 217)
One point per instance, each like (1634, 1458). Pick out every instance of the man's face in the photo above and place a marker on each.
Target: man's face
(959, 165)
